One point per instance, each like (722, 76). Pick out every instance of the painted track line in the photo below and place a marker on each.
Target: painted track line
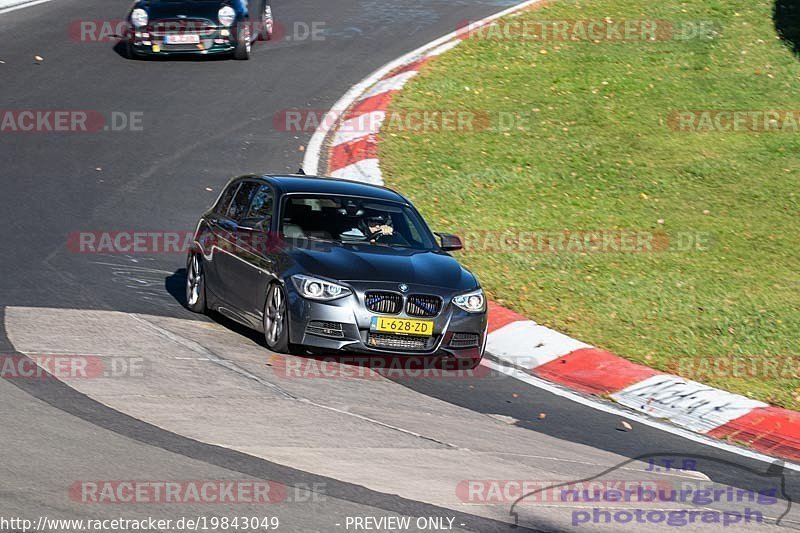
(15, 5)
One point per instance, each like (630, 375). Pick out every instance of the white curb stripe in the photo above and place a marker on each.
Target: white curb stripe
(529, 345)
(608, 407)
(395, 83)
(366, 170)
(439, 50)
(359, 127)
(687, 403)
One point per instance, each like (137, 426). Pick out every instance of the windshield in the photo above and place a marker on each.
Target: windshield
(354, 220)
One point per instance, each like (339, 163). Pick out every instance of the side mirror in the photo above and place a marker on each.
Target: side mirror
(450, 243)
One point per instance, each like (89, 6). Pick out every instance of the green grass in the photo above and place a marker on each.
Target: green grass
(593, 150)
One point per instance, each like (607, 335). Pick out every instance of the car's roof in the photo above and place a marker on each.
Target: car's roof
(319, 185)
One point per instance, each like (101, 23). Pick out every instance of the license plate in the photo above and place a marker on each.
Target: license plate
(404, 326)
(182, 39)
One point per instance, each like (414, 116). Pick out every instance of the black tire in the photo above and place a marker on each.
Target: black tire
(243, 43)
(276, 320)
(195, 284)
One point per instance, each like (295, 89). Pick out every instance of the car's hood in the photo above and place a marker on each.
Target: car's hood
(375, 263)
(170, 9)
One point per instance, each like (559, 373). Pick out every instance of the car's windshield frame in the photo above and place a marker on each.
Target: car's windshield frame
(429, 241)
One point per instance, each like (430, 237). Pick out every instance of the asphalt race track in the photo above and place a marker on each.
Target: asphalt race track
(213, 403)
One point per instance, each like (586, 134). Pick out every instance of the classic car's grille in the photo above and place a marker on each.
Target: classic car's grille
(399, 342)
(184, 47)
(182, 27)
(464, 340)
(383, 302)
(423, 305)
(325, 329)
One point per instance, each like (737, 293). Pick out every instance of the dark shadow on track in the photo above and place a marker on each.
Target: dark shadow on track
(786, 17)
(175, 285)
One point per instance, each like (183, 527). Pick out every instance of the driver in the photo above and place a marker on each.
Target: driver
(379, 228)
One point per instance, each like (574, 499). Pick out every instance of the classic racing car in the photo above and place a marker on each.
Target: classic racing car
(168, 27)
(335, 265)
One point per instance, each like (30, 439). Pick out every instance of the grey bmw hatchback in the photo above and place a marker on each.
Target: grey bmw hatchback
(326, 265)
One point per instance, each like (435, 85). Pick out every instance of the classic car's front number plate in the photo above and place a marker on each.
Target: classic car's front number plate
(403, 326)
(182, 39)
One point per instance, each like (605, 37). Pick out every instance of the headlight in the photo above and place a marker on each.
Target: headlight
(226, 16)
(472, 302)
(139, 18)
(318, 289)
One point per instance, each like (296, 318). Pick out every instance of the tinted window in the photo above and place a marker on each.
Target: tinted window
(241, 202)
(353, 220)
(261, 205)
(225, 199)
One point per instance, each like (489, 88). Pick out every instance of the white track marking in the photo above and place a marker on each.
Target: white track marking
(19, 5)
(687, 403)
(508, 343)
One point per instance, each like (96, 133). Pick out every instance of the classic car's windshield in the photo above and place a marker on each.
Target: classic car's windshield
(354, 220)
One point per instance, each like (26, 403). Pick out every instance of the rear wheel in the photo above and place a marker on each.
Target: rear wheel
(276, 320)
(243, 43)
(195, 284)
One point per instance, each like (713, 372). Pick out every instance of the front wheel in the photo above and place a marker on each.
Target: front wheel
(243, 44)
(195, 284)
(276, 320)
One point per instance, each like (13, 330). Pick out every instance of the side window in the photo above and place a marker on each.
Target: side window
(241, 202)
(225, 199)
(261, 206)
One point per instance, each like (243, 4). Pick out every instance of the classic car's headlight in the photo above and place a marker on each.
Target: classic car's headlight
(226, 16)
(472, 302)
(139, 17)
(318, 289)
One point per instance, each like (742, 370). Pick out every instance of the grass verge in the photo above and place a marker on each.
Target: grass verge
(595, 144)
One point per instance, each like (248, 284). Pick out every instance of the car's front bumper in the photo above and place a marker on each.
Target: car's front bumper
(211, 40)
(453, 333)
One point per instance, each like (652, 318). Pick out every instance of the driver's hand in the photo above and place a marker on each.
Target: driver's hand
(386, 229)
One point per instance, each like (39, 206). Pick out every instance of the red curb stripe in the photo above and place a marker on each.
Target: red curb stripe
(594, 371)
(379, 102)
(499, 316)
(346, 154)
(411, 66)
(770, 430)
